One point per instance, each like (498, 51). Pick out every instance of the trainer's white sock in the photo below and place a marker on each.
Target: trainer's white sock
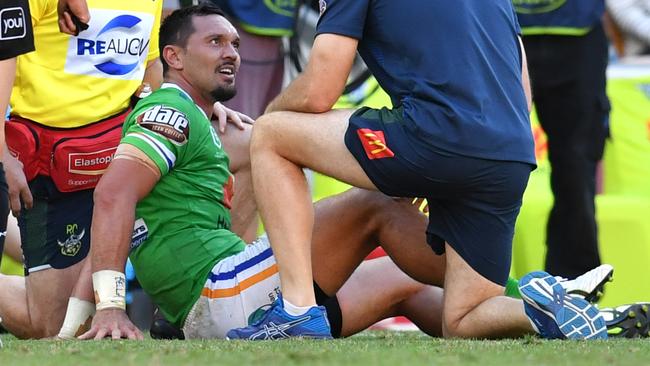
(294, 310)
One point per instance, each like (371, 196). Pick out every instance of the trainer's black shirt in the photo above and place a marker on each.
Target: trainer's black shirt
(16, 35)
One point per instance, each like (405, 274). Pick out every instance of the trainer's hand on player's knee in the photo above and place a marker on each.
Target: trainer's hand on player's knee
(225, 115)
(113, 323)
(18, 187)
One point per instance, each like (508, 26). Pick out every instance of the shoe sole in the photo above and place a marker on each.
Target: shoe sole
(596, 293)
(575, 317)
(633, 322)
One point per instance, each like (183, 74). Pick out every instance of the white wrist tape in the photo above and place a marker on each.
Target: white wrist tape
(110, 290)
(77, 318)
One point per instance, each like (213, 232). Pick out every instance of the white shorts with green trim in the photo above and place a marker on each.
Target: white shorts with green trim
(237, 289)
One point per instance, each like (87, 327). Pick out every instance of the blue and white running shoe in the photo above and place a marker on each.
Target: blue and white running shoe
(556, 315)
(278, 324)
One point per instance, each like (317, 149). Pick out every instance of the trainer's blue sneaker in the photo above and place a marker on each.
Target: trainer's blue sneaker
(555, 314)
(278, 324)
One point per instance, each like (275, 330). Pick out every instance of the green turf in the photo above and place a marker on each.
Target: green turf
(371, 348)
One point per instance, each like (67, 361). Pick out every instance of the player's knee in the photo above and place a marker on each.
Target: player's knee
(459, 316)
(372, 200)
(380, 208)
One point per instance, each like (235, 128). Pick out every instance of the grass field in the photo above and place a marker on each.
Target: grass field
(371, 348)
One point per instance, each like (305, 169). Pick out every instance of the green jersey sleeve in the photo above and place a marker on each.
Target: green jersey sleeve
(161, 132)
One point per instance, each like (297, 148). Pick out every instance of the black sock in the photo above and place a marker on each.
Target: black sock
(331, 304)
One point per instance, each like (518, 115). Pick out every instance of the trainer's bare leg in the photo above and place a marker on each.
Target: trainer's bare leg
(34, 306)
(474, 307)
(236, 143)
(282, 144)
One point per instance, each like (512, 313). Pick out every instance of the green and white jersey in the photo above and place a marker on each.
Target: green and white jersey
(182, 226)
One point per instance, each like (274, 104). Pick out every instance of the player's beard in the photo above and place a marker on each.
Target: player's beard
(222, 94)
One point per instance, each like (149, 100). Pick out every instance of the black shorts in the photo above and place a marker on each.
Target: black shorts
(473, 203)
(55, 232)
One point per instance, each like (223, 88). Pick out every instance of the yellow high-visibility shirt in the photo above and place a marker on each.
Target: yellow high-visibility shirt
(71, 81)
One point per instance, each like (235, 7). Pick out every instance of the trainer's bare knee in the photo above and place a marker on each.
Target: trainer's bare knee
(460, 313)
(451, 328)
(264, 132)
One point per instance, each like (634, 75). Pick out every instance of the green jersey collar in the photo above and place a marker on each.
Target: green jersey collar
(172, 85)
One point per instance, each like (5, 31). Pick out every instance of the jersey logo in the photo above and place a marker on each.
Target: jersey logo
(71, 246)
(168, 122)
(374, 143)
(92, 163)
(12, 23)
(120, 46)
(114, 46)
(281, 7)
(140, 233)
(537, 6)
(278, 331)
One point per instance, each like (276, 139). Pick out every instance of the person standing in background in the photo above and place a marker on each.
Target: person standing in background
(68, 103)
(567, 54)
(16, 38)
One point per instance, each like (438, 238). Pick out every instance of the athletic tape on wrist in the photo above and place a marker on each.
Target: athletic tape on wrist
(77, 318)
(110, 290)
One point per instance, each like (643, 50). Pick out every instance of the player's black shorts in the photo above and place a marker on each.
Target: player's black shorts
(473, 203)
(55, 233)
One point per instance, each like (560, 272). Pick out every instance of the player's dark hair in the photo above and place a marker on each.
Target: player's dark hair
(177, 27)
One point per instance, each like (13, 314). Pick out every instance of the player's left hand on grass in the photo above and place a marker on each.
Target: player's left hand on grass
(113, 323)
(225, 115)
